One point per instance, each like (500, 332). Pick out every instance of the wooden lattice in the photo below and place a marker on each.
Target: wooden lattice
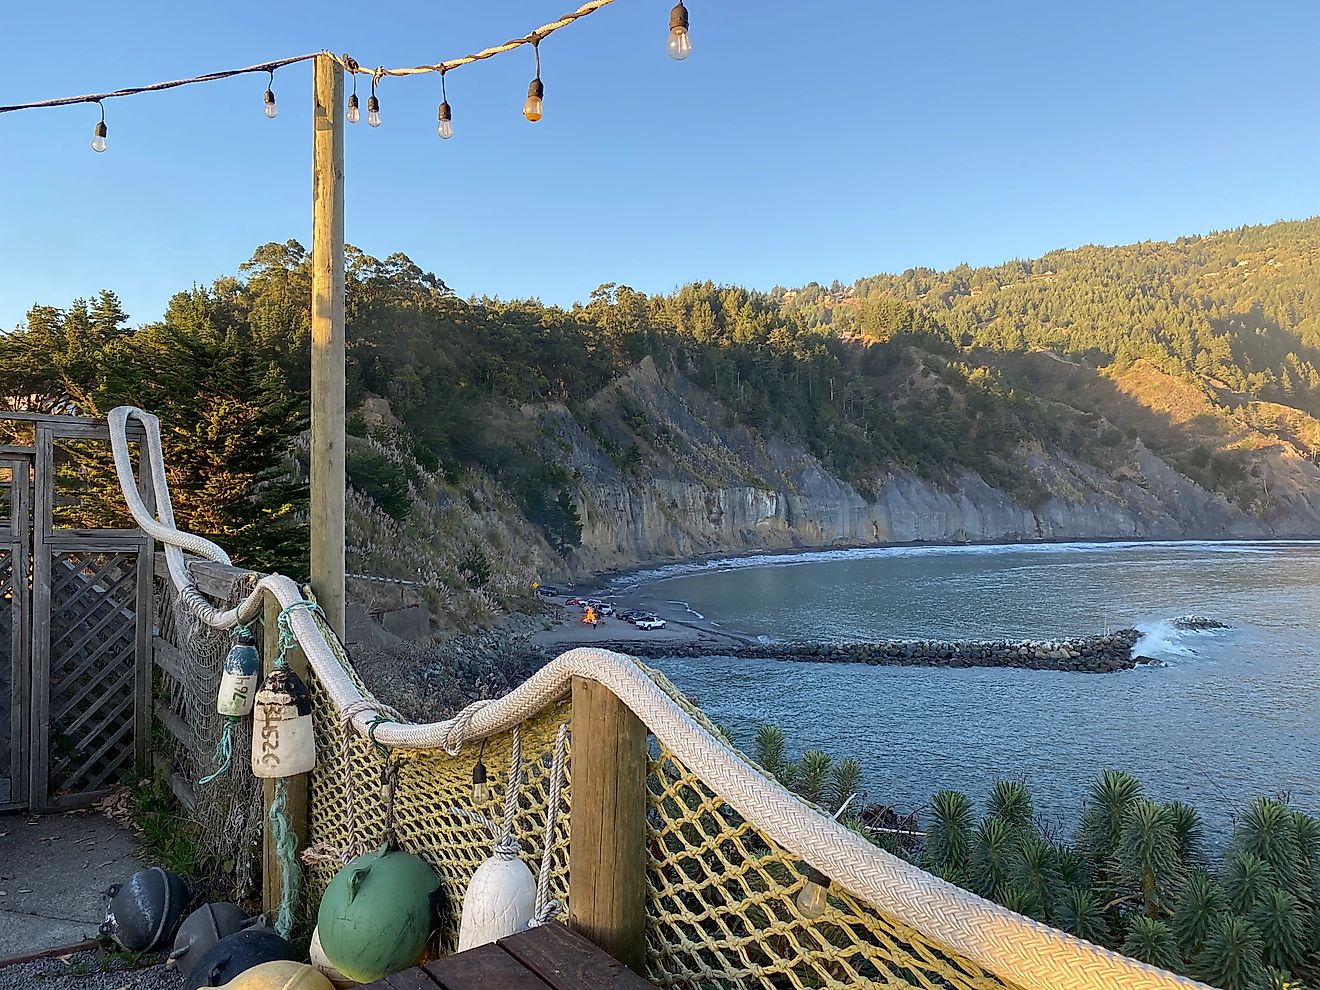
(92, 668)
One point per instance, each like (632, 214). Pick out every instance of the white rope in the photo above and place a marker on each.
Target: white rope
(547, 910)
(1013, 947)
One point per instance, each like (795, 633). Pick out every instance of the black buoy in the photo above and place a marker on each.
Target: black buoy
(237, 953)
(204, 928)
(144, 912)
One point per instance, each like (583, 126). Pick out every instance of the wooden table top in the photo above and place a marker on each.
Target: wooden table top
(549, 957)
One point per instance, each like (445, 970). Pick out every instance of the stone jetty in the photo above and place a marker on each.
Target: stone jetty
(1080, 654)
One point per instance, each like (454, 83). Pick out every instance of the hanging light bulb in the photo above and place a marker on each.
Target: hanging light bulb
(532, 108)
(354, 114)
(99, 132)
(373, 111)
(480, 788)
(812, 899)
(271, 111)
(680, 44)
(445, 123)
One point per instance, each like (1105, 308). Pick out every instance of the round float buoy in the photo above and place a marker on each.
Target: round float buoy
(204, 928)
(144, 913)
(377, 914)
(283, 742)
(323, 965)
(238, 682)
(499, 900)
(235, 954)
(282, 975)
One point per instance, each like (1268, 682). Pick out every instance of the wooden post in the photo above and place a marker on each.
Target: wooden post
(607, 835)
(272, 873)
(327, 471)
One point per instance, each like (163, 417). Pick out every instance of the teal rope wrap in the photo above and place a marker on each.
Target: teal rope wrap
(287, 639)
(286, 843)
(223, 756)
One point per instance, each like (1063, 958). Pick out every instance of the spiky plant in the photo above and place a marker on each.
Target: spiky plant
(813, 771)
(1231, 958)
(1200, 900)
(1270, 978)
(1246, 880)
(992, 858)
(1283, 925)
(1035, 868)
(1080, 912)
(771, 754)
(1108, 801)
(948, 849)
(1152, 941)
(1021, 900)
(1308, 849)
(1146, 861)
(1190, 832)
(1010, 801)
(1074, 870)
(845, 781)
(1268, 830)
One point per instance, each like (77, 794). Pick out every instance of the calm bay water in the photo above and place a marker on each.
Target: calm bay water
(1234, 714)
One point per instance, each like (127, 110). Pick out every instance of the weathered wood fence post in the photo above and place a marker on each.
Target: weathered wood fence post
(607, 835)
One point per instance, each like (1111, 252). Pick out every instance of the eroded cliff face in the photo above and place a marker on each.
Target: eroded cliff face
(704, 486)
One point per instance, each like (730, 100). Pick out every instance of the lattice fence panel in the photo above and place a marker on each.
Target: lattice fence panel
(92, 668)
(721, 911)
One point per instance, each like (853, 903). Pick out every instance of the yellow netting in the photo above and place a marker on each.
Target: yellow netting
(431, 786)
(720, 910)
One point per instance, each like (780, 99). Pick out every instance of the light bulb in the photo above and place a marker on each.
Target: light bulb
(271, 110)
(373, 111)
(480, 789)
(812, 899)
(98, 137)
(445, 125)
(680, 43)
(532, 108)
(353, 114)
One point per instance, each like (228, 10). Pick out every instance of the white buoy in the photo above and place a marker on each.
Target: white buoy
(499, 901)
(323, 965)
(238, 682)
(283, 740)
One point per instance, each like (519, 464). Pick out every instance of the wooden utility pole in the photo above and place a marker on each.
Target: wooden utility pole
(327, 471)
(607, 832)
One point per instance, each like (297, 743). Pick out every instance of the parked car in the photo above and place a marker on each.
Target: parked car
(632, 614)
(575, 601)
(650, 622)
(547, 591)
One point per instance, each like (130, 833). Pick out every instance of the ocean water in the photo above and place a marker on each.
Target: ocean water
(1233, 713)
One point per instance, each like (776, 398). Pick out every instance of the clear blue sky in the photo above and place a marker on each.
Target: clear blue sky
(801, 141)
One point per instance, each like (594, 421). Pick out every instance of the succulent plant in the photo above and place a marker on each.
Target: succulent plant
(1246, 880)
(992, 858)
(1147, 859)
(1108, 802)
(1282, 922)
(1198, 903)
(1231, 958)
(1010, 801)
(1152, 941)
(813, 771)
(845, 781)
(948, 849)
(1080, 912)
(1035, 869)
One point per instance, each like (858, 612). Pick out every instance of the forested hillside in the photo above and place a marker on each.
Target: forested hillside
(1160, 389)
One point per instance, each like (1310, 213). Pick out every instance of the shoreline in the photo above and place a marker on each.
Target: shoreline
(605, 582)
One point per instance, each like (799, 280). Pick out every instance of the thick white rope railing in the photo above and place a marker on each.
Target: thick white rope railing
(1027, 953)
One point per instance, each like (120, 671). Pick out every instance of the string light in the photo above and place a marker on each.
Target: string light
(373, 105)
(271, 110)
(354, 114)
(813, 898)
(99, 132)
(445, 124)
(480, 788)
(532, 108)
(680, 44)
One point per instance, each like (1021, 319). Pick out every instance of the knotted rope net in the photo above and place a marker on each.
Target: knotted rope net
(729, 847)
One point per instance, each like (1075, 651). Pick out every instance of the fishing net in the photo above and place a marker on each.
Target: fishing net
(189, 658)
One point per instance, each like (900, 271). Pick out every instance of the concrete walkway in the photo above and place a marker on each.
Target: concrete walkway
(53, 874)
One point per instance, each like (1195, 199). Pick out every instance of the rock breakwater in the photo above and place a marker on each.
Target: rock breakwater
(1080, 654)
